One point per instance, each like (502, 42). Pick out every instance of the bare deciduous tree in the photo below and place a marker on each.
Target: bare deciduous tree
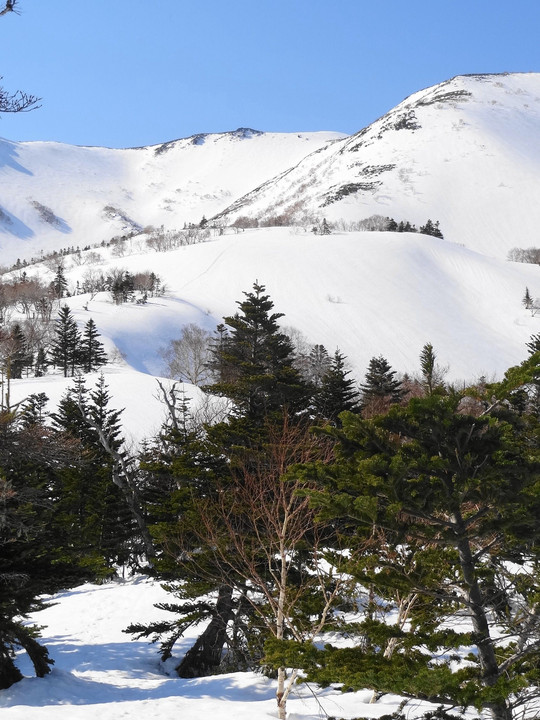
(17, 101)
(187, 357)
(265, 538)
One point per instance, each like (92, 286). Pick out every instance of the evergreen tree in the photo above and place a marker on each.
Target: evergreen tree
(318, 364)
(431, 228)
(35, 558)
(325, 228)
(72, 410)
(66, 342)
(21, 357)
(256, 359)
(92, 354)
(432, 374)
(253, 364)
(122, 288)
(59, 284)
(527, 299)
(40, 368)
(534, 344)
(453, 503)
(337, 391)
(89, 498)
(380, 388)
(33, 410)
(18, 357)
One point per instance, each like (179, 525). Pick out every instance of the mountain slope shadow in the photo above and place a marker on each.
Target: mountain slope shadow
(8, 157)
(11, 225)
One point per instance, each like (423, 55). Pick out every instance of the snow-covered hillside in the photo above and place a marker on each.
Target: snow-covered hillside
(366, 293)
(465, 152)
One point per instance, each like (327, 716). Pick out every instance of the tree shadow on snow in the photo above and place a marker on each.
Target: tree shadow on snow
(136, 663)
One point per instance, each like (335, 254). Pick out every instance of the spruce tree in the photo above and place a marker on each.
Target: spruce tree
(253, 364)
(452, 501)
(325, 228)
(36, 557)
(534, 344)
(89, 497)
(432, 373)
(318, 364)
(431, 228)
(33, 410)
(59, 284)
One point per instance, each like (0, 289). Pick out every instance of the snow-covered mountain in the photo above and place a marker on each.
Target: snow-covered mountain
(465, 152)
(54, 195)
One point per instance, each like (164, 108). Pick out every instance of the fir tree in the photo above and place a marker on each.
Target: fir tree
(59, 284)
(253, 363)
(380, 388)
(318, 364)
(66, 342)
(20, 357)
(534, 344)
(40, 368)
(325, 228)
(33, 410)
(527, 299)
(89, 497)
(36, 558)
(453, 503)
(431, 228)
(432, 374)
(337, 391)
(92, 354)
(256, 359)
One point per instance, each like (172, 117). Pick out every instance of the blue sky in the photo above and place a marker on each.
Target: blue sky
(124, 73)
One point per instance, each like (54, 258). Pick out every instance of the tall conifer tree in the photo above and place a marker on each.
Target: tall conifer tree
(66, 343)
(92, 354)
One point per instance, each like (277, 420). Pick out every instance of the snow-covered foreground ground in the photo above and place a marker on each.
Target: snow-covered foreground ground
(100, 672)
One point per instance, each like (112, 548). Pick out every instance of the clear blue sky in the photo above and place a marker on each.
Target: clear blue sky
(125, 73)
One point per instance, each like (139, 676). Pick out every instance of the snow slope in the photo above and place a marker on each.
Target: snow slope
(465, 152)
(366, 293)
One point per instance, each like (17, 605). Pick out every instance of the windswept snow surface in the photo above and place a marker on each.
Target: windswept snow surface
(100, 672)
